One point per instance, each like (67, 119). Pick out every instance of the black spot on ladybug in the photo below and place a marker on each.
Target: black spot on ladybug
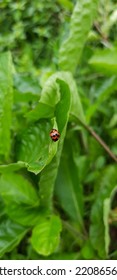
(54, 134)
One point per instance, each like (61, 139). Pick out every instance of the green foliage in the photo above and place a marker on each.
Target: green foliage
(20, 189)
(68, 187)
(58, 199)
(105, 61)
(45, 236)
(6, 99)
(35, 148)
(10, 235)
(103, 93)
(33, 31)
(81, 21)
(46, 187)
(98, 229)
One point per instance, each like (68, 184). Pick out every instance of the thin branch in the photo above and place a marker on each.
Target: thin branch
(105, 40)
(98, 139)
(74, 231)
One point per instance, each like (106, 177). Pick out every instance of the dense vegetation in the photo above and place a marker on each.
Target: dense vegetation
(58, 69)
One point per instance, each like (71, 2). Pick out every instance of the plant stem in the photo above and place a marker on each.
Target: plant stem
(74, 231)
(98, 139)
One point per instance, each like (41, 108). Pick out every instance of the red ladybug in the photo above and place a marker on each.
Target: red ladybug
(54, 134)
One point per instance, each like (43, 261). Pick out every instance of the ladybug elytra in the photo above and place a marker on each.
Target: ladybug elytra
(54, 134)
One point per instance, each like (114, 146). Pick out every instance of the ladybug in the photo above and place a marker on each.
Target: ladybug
(54, 134)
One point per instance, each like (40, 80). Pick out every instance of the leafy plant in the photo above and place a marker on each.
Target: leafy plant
(58, 199)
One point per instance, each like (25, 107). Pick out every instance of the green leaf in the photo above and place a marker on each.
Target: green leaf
(46, 235)
(105, 61)
(36, 149)
(87, 251)
(81, 21)
(106, 184)
(50, 93)
(66, 101)
(10, 235)
(12, 167)
(6, 100)
(68, 188)
(48, 175)
(16, 188)
(106, 213)
(26, 88)
(63, 106)
(50, 97)
(106, 225)
(67, 4)
(47, 181)
(22, 213)
(34, 141)
(65, 256)
(40, 111)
